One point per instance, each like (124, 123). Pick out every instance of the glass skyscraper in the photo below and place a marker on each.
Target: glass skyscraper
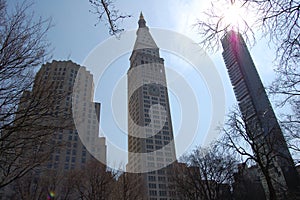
(261, 123)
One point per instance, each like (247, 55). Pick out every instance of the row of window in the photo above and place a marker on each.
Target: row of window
(159, 178)
(160, 186)
(149, 146)
(160, 159)
(154, 193)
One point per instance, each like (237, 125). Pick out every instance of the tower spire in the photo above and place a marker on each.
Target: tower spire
(142, 22)
(141, 15)
(144, 39)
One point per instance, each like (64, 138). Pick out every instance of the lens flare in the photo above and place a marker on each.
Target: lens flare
(51, 195)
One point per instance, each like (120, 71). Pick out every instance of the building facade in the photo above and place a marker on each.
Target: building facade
(261, 123)
(74, 87)
(66, 120)
(151, 149)
(247, 183)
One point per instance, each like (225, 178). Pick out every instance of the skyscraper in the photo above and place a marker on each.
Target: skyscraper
(65, 121)
(72, 82)
(259, 116)
(150, 135)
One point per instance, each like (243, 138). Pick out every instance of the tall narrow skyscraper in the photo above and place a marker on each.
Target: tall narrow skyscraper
(150, 135)
(259, 116)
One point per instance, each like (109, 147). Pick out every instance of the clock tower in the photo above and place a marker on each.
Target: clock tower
(151, 149)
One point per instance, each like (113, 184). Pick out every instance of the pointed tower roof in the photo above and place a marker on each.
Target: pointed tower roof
(142, 22)
(144, 39)
(141, 15)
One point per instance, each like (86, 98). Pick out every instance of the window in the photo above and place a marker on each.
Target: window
(149, 141)
(168, 154)
(151, 164)
(160, 159)
(157, 137)
(149, 146)
(152, 193)
(148, 130)
(154, 98)
(162, 193)
(158, 142)
(162, 186)
(151, 178)
(166, 138)
(152, 185)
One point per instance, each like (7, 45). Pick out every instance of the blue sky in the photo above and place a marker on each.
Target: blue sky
(74, 35)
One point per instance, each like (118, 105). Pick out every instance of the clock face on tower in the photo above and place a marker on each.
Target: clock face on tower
(153, 90)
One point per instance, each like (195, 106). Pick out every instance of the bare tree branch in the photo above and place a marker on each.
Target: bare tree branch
(214, 24)
(205, 174)
(106, 11)
(25, 132)
(253, 144)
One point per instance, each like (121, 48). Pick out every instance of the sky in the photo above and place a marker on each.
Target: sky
(76, 33)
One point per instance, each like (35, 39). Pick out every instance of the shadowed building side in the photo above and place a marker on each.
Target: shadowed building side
(258, 114)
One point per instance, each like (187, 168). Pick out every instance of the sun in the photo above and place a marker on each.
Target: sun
(235, 16)
(232, 14)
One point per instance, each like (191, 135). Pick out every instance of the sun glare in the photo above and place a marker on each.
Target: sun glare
(233, 17)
